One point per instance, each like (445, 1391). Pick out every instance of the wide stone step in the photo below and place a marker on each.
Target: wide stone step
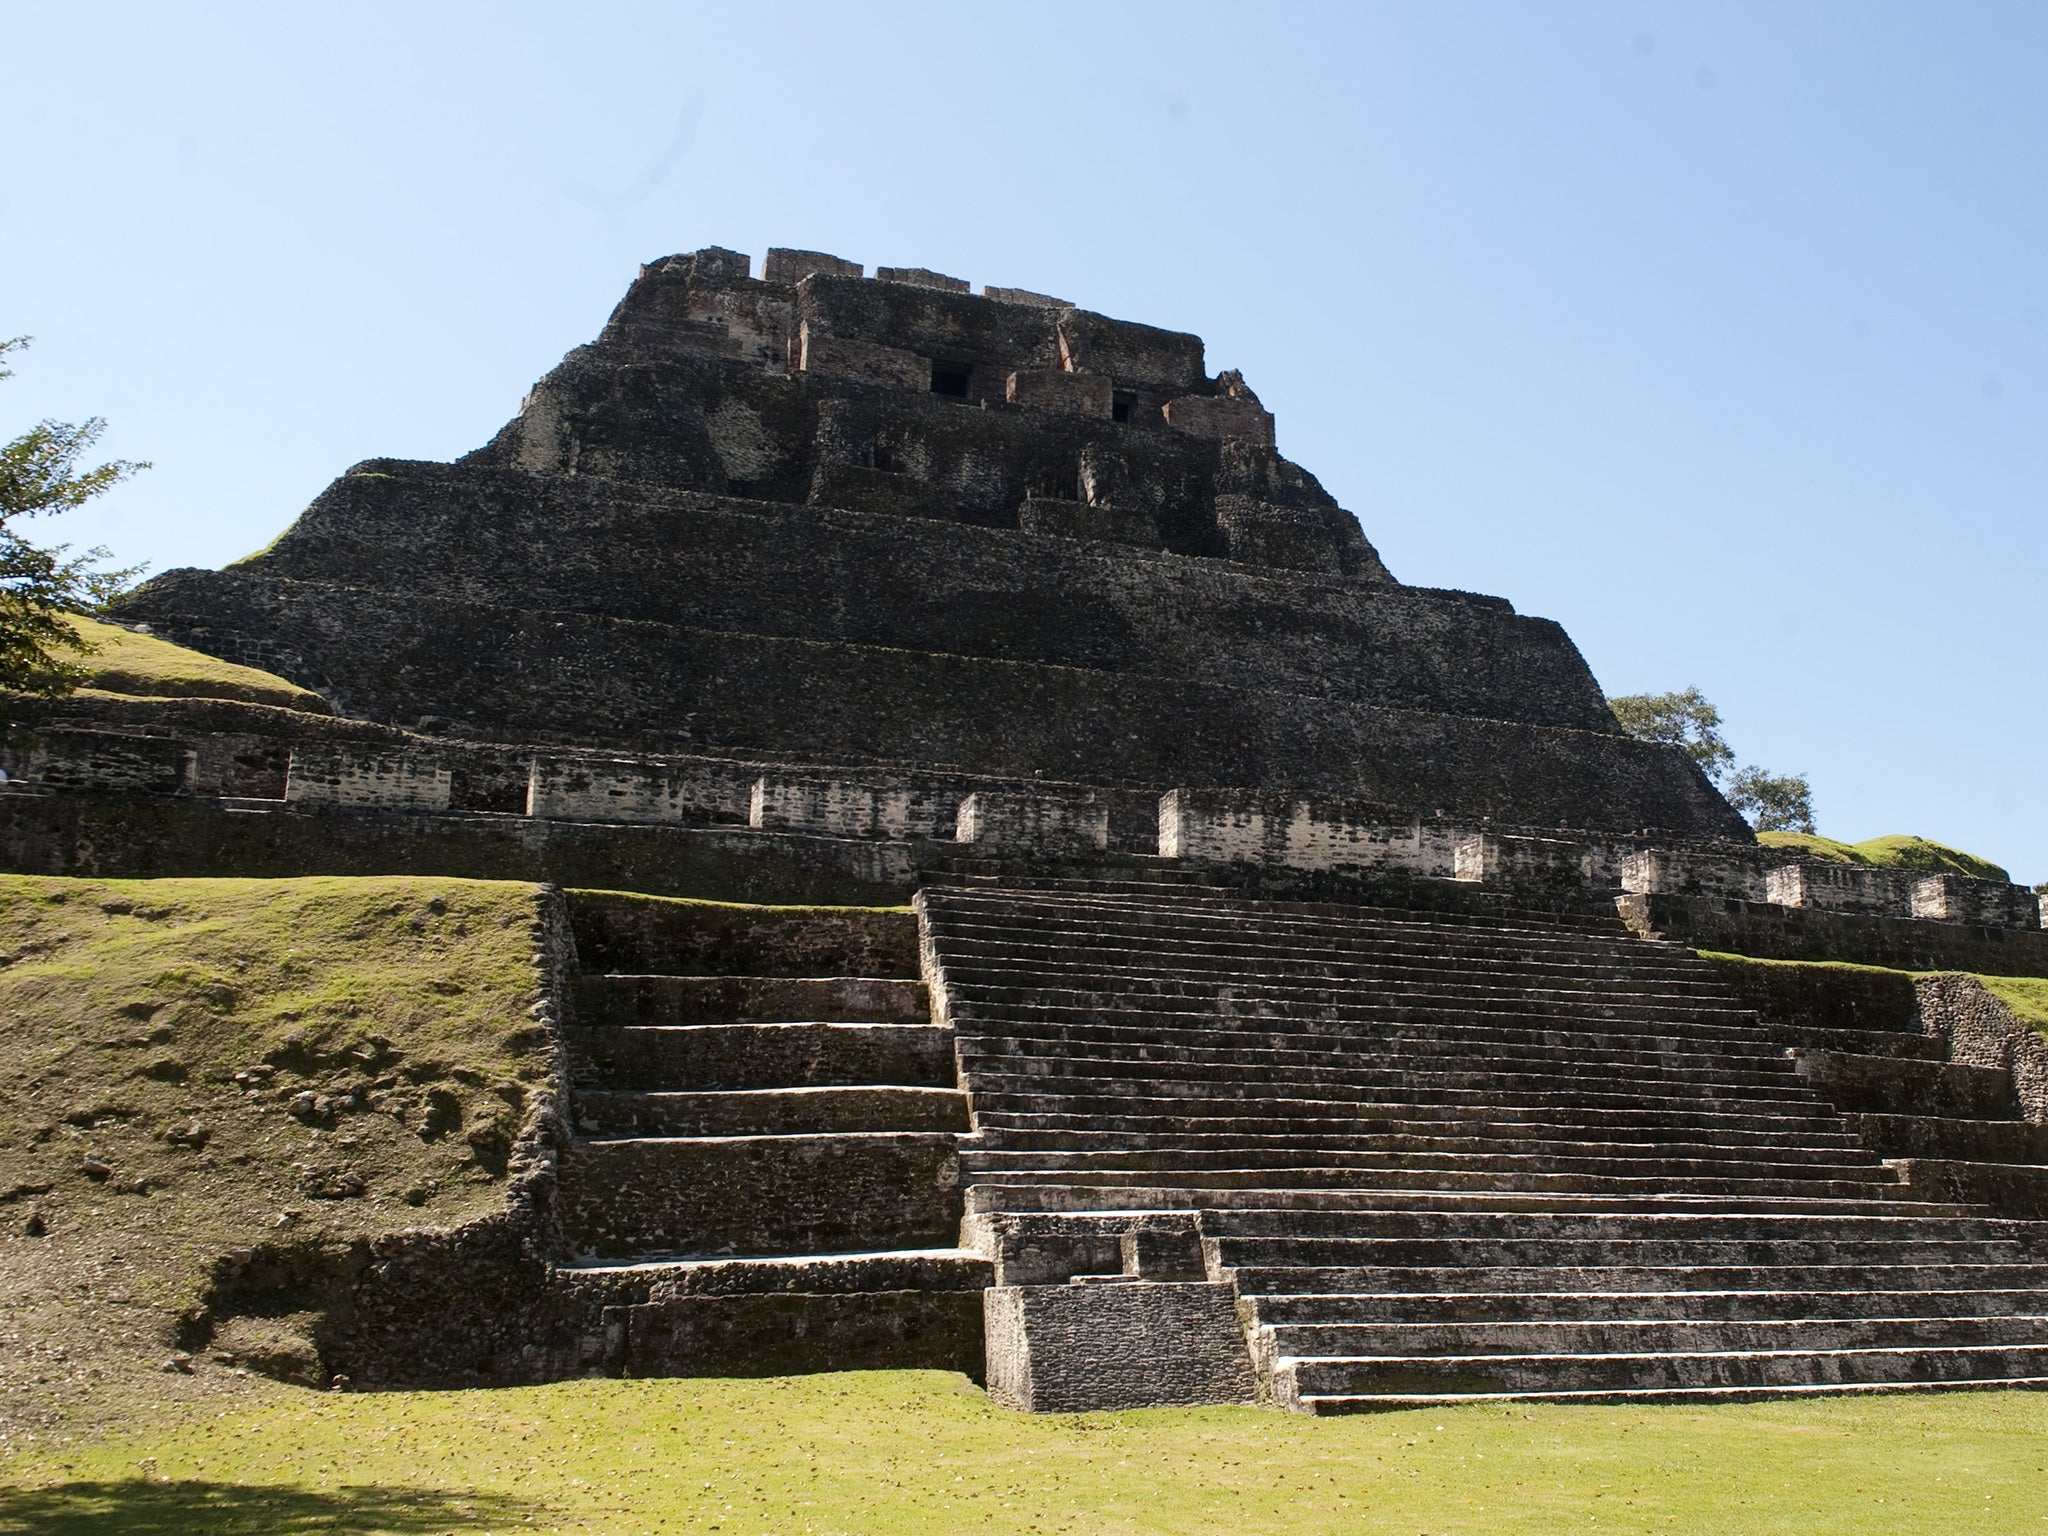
(1165, 1129)
(1394, 1068)
(1859, 1042)
(1181, 1036)
(1180, 920)
(1045, 1194)
(1888, 1085)
(1001, 1113)
(1600, 1253)
(1535, 1051)
(1731, 1124)
(903, 1269)
(1649, 1336)
(1322, 1311)
(696, 1056)
(1338, 1026)
(1005, 951)
(1190, 1149)
(983, 995)
(648, 1196)
(621, 999)
(794, 1333)
(1390, 1085)
(1657, 1226)
(1653, 1280)
(770, 1111)
(1982, 1141)
(1331, 1406)
(1489, 1374)
(1255, 1171)
(1222, 960)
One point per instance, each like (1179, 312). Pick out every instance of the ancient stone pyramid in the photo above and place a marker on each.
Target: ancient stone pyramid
(1046, 902)
(825, 519)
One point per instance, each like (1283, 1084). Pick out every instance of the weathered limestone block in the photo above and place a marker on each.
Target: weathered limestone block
(1900, 1086)
(860, 488)
(789, 266)
(923, 277)
(863, 362)
(1024, 296)
(1717, 870)
(1987, 903)
(1496, 858)
(1220, 416)
(848, 808)
(1137, 356)
(1053, 389)
(1327, 540)
(1841, 888)
(794, 1333)
(1083, 520)
(852, 1193)
(1089, 1348)
(2010, 1189)
(635, 790)
(1982, 1031)
(367, 780)
(1243, 826)
(1811, 933)
(116, 760)
(1012, 822)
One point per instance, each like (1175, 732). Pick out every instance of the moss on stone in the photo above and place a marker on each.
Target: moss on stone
(125, 662)
(1896, 851)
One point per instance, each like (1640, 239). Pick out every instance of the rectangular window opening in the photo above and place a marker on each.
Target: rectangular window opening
(950, 380)
(1120, 405)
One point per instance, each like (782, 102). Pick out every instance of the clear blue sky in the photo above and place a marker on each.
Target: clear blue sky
(1715, 332)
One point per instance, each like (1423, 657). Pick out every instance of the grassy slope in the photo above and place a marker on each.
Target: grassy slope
(125, 662)
(924, 1454)
(2026, 996)
(130, 1009)
(1897, 851)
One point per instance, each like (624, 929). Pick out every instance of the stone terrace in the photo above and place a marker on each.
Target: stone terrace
(1421, 1155)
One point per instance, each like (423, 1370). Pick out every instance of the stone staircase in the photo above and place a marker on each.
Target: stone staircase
(1419, 1155)
(762, 1177)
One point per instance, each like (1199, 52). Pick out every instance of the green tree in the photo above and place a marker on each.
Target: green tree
(41, 473)
(1771, 802)
(1683, 719)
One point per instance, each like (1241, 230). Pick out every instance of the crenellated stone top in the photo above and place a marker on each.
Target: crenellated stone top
(907, 393)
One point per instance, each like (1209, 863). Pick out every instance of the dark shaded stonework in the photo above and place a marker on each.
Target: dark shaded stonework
(828, 519)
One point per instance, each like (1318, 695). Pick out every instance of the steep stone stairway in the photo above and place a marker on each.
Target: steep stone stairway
(763, 1175)
(1440, 1154)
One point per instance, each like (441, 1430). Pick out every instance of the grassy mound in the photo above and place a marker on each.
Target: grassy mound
(1898, 851)
(125, 662)
(190, 1067)
(924, 1454)
(2026, 996)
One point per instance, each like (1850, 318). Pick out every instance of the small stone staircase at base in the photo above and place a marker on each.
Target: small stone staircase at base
(763, 1177)
(1433, 1154)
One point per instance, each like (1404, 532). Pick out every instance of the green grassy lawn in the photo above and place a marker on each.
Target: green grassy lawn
(907, 1453)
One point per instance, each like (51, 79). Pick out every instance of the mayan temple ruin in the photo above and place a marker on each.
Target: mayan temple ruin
(1035, 895)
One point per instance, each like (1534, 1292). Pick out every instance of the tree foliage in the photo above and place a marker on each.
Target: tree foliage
(1684, 719)
(1772, 802)
(41, 473)
(1687, 720)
